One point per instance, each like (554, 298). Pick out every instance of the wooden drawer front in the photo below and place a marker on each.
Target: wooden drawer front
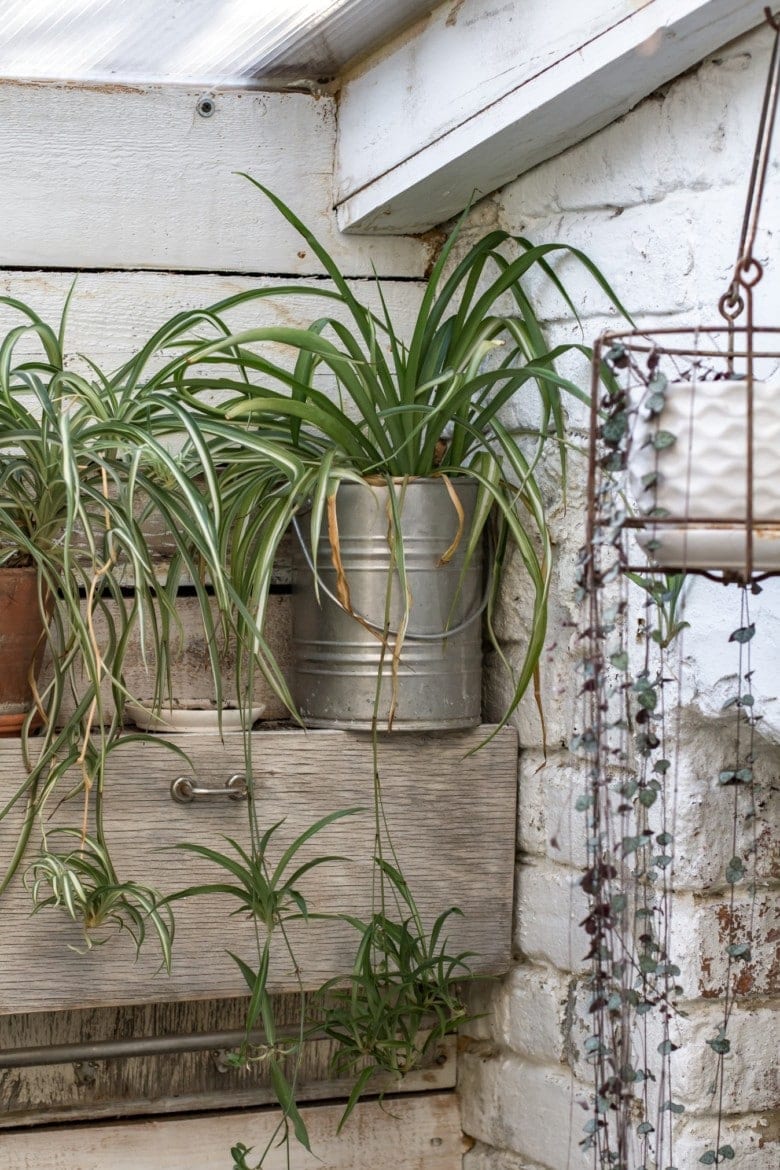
(452, 820)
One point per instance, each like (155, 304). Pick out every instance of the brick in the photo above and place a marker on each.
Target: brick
(548, 822)
(532, 1110)
(527, 1012)
(560, 679)
(550, 906)
(657, 259)
(755, 1139)
(704, 816)
(711, 662)
(751, 1073)
(701, 929)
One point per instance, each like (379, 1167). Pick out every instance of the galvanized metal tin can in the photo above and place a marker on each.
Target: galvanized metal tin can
(343, 668)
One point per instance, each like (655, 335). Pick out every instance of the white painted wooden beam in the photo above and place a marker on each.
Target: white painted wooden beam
(483, 92)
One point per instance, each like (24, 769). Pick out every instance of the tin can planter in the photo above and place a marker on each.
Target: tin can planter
(348, 672)
(689, 465)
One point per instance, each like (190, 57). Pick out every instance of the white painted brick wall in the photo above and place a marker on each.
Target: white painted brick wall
(656, 199)
(753, 1137)
(702, 928)
(528, 1013)
(752, 1080)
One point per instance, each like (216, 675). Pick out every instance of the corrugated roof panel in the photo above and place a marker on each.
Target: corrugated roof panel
(201, 42)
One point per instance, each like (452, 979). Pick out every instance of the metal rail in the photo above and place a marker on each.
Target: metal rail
(138, 1046)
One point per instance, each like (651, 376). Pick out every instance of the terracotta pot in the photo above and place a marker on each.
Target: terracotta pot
(21, 645)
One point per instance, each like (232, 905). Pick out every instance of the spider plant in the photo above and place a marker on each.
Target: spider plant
(401, 998)
(83, 882)
(89, 466)
(431, 405)
(268, 892)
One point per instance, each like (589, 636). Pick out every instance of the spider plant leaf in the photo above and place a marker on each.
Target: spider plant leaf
(259, 992)
(340, 429)
(297, 874)
(305, 836)
(250, 976)
(285, 1095)
(358, 1089)
(239, 871)
(244, 896)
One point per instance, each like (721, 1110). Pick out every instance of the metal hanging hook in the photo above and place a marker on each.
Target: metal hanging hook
(747, 270)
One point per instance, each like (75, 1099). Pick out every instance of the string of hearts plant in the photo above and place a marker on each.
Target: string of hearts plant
(633, 697)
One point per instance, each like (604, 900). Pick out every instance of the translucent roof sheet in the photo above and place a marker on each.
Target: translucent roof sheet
(202, 42)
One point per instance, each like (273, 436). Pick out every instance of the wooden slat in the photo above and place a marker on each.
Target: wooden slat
(185, 1082)
(132, 177)
(112, 314)
(412, 1133)
(451, 816)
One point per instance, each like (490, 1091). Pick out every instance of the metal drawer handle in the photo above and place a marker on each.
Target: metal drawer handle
(184, 789)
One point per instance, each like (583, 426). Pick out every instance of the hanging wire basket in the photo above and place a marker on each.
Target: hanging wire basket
(684, 457)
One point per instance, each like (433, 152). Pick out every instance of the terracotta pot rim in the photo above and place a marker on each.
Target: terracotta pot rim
(11, 724)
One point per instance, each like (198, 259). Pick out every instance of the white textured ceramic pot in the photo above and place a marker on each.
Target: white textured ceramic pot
(702, 475)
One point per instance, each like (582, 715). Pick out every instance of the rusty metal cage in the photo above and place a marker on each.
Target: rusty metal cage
(684, 457)
(685, 449)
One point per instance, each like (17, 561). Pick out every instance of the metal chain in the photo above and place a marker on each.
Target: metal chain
(747, 270)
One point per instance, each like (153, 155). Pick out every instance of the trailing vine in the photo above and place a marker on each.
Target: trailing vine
(630, 745)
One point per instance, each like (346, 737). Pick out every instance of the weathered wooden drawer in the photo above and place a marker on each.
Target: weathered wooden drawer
(452, 822)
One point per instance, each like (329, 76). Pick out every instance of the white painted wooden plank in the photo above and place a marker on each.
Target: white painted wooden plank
(412, 1133)
(451, 815)
(133, 177)
(496, 133)
(112, 314)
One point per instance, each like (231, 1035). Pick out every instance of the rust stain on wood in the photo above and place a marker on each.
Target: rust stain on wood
(101, 87)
